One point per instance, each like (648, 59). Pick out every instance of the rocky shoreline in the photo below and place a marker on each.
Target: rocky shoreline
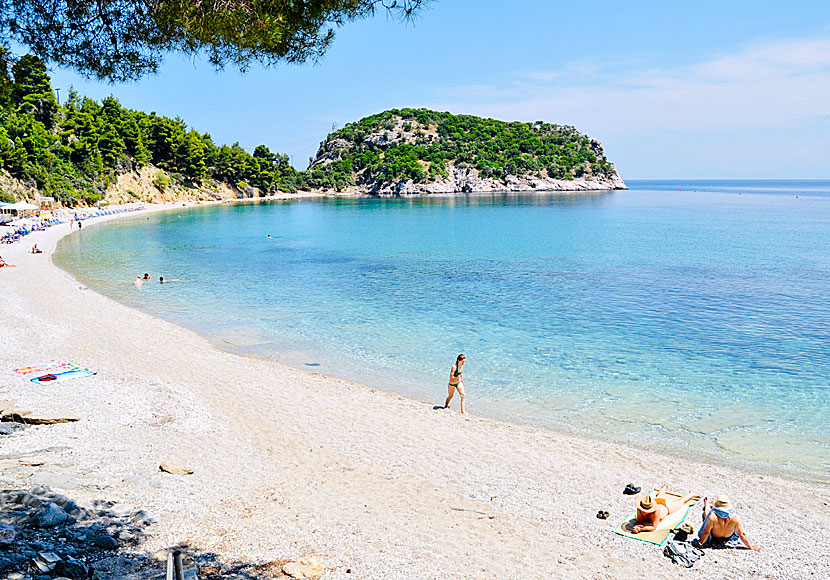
(467, 180)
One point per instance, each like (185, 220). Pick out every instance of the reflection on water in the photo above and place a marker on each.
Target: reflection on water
(693, 320)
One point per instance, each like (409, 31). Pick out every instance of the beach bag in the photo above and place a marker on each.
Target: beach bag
(682, 553)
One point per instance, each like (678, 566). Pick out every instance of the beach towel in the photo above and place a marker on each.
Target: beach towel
(65, 376)
(665, 527)
(61, 367)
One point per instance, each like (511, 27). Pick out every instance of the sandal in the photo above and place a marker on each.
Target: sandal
(631, 490)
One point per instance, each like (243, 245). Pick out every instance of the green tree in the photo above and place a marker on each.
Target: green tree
(32, 91)
(125, 39)
(6, 82)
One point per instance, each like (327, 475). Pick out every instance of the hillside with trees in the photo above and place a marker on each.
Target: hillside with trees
(76, 150)
(423, 151)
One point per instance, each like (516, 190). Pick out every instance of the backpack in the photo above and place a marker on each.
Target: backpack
(682, 553)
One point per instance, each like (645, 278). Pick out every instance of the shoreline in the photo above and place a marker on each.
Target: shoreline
(362, 478)
(507, 410)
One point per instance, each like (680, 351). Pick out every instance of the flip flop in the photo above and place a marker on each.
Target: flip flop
(603, 515)
(631, 490)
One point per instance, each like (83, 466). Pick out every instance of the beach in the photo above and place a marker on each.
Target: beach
(291, 464)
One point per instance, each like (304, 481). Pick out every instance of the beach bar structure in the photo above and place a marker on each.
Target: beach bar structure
(10, 211)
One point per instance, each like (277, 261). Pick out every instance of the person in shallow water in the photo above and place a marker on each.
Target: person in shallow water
(146, 276)
(721, 525)
(457, 382)
(653, 508)
(163, 281)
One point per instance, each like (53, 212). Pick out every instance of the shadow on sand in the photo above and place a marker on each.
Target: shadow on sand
(47, 535)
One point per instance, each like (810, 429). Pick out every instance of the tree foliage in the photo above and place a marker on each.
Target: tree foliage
(73, 152)
(419, 144)
(124, 39)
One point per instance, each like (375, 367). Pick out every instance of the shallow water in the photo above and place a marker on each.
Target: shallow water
(677, 315)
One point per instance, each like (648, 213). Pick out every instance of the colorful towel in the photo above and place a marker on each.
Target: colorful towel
(65, 376)
(47, 368)
(659, 535)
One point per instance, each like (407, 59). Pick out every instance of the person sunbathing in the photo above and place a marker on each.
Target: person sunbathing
(4, 264)
(653, 508)
(36, 250)
(721, 524)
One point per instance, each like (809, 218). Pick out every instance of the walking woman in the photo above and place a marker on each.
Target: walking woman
(457, 381)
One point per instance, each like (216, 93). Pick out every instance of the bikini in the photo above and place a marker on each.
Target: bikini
(456, 374)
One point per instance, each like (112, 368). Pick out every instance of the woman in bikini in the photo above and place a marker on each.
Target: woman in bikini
(652, 509)
(457, 381)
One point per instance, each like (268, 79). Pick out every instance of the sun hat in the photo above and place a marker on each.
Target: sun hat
(723, 502)
(646, 504)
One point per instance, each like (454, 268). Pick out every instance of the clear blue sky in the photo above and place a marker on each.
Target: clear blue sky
(709, 89)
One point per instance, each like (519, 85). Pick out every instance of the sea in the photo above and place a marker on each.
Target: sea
(688, 316)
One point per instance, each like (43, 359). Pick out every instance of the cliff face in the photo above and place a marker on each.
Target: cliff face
(417, 151)
(468, 180)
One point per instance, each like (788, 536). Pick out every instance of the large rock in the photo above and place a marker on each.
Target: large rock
(305, 568)
(50, 515)
(105, 542)
(9, 428)
(7, 533)
(70, 568)
(142, 518)
(176, 467)
(47, 417)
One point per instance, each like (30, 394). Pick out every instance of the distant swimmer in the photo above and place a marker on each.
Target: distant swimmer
(457, 382)
(138, 282)
(146, 276)
(269, 237)
(163, 281)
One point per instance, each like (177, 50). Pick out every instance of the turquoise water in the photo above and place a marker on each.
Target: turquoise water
(686, 315)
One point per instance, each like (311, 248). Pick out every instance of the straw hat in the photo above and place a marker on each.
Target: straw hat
(646, 504)
(723, 502)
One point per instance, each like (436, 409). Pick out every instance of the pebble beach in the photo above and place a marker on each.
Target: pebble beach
(293, 467)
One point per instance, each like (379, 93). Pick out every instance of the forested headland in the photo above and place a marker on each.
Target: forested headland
(77, 150)
(402, 149)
